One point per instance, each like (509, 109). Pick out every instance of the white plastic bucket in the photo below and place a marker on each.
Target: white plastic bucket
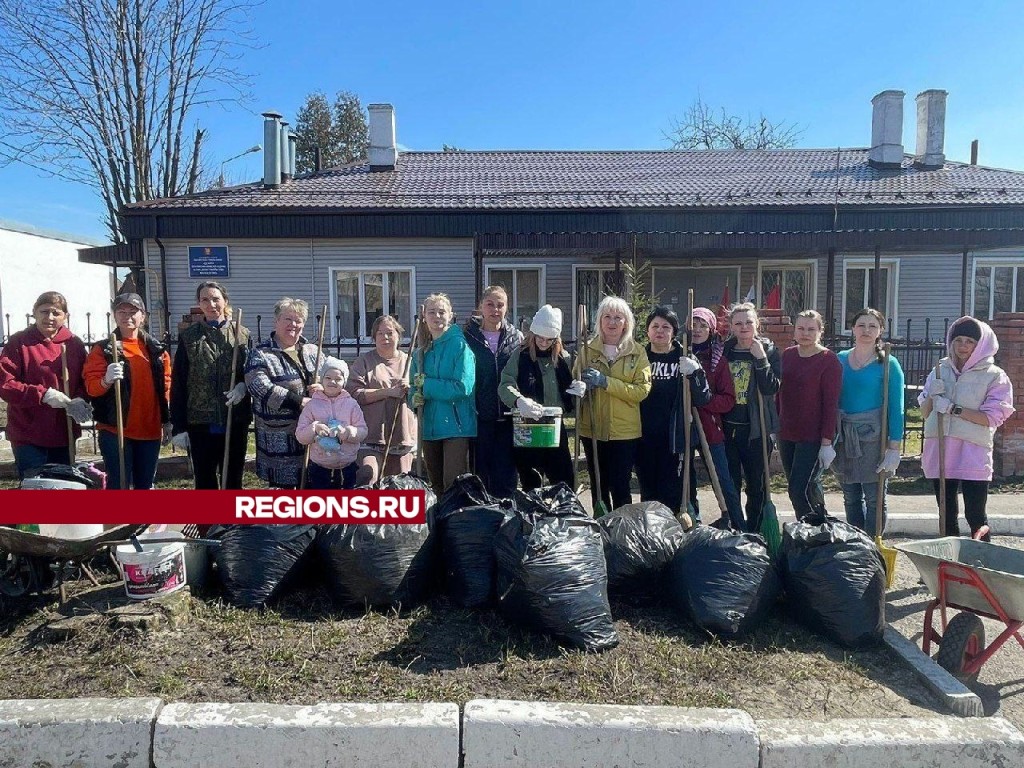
(49, 484)
(71, 530)
(158, 570)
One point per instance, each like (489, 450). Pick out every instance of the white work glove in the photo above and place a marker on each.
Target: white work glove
(320, 429)
(347, 434)
(890, 463)
(236, 395)
(529, 409)
(181, 441)
(687, 366)
(826, 455)
(56, 399)
(577, 388)
(115, 372)
(941, 404)
(80, 410)
(937, 387)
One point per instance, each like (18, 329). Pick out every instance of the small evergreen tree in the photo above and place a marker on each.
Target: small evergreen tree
(341, 131)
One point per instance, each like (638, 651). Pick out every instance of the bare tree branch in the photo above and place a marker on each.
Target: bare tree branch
(703, 127)
(102, 92)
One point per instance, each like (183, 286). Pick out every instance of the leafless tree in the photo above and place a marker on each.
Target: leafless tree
(705, 127)
(103, 92)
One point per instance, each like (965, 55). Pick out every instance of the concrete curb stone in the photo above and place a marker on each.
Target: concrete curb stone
(328, 735)
(937, 742)
(956, 696)
(77, 732)
(523, 733)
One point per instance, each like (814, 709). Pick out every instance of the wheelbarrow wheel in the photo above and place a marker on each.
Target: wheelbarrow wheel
(963, 640)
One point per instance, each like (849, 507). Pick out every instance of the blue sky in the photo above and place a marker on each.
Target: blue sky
(606, 75)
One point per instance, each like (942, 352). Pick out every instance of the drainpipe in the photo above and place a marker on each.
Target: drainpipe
(163, 278)
(478, 268)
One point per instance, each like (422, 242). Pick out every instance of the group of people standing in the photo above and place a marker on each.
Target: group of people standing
(320, 425)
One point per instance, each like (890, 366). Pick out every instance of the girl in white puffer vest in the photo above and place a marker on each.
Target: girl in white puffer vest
(332, 424)
(976, 397)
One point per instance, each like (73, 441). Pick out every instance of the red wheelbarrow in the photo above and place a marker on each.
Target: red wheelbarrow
(979, 579)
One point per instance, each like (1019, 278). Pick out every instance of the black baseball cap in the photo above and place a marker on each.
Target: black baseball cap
(128, 298)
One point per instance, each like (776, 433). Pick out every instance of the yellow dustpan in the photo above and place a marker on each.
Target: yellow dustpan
(889, 556)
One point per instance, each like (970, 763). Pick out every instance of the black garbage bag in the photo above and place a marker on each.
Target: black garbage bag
(558, 500)
(62, 472)
(410, 482)
(725, 582)
(377, 565)
(255, 561)
(834, 577)
(551, 575)
(466, 520)
(640, 540)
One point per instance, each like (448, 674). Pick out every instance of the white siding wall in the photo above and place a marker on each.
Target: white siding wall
(262, 271)
(31, 264)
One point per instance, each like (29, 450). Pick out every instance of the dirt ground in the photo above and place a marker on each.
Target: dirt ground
(303, 651)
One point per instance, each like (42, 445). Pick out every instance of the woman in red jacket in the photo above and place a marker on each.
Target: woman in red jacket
(707, 348)
(33, 386)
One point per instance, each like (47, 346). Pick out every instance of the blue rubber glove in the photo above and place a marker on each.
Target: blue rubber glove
(594, 378)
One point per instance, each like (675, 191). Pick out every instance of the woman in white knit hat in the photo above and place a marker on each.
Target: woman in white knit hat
(540, 376)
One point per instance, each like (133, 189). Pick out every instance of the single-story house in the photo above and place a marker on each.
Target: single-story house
(921, 237)
(34, 260)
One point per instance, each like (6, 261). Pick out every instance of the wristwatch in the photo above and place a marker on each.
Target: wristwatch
(956, 410)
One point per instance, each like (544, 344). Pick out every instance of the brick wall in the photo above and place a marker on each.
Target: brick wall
(1009, 440)
(776, 326)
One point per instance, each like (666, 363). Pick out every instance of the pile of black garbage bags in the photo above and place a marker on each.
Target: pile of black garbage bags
(545, 564)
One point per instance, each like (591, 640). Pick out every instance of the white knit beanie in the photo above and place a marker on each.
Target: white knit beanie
(334, 364)
(547, 322)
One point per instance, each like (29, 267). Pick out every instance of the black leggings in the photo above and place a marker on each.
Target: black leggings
(747, 461)
(544, 466)
(975, 498)
(615, 459)
(657, 469)
(803, 475)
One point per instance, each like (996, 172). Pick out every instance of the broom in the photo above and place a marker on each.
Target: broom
(888, 553)
(769, 517)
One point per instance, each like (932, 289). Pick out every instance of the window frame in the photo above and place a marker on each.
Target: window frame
(600, 269)
(810, 264)
(359, 270)
(1015, 262)
(514, 265)
(867, 263)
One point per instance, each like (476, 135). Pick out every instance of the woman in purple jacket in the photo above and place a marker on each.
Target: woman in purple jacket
(976, 397)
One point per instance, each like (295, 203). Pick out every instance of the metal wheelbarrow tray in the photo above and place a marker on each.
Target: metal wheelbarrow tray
(980, 579)
(24, 557)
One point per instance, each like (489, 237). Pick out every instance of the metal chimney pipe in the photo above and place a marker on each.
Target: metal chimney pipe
(974, 152)
(293, 140)
(272, 149)
(286, 166)
(318, 159)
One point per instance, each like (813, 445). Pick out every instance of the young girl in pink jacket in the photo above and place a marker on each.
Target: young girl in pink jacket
(332, 424)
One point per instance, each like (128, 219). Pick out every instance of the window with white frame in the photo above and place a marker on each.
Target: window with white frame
(362, 295)
(998, 287)
(591, 285)
(789, 286)
(525, 289)
(858, 275)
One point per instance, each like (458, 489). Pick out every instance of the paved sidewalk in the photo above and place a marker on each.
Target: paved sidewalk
(908, 515)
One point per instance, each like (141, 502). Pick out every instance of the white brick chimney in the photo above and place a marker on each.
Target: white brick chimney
(931, 129)
(886, 130)
(383, 146)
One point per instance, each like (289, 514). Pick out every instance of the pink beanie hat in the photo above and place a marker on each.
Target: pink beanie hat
(707, 316)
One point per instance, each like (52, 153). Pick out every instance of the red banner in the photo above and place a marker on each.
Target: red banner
(211, 507)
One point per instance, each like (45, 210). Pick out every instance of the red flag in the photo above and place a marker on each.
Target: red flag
(723, 312)
(774, 300)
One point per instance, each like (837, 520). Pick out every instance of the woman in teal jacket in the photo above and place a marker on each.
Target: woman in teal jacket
(443, 376)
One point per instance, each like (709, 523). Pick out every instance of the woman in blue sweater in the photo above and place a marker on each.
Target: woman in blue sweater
(443, 375)
(858, 445)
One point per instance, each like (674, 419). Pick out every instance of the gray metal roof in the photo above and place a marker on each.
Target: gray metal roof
(563, 180)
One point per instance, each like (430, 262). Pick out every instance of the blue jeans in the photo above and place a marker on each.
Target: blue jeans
(860, 501)
(29, 457)
(720, 460)
(140, 457)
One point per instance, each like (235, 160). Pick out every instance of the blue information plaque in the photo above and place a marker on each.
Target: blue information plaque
(208, 261)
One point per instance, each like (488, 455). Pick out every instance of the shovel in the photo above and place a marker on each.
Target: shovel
(888, 553)
(769, 517)
(595, 481)
(316, 377)
(227, 428)
(123, 478)
(940, 423)
(67, 391)
(685, 517)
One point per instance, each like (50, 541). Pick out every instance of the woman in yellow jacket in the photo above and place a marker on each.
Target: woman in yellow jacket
(614, 376)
